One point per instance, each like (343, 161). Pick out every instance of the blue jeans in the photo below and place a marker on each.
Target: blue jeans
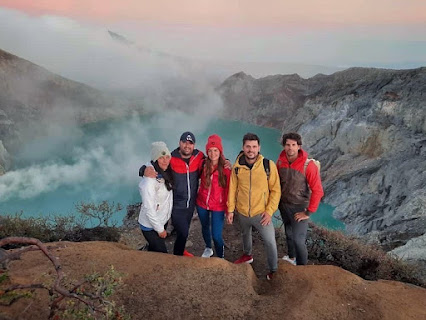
(214, 228)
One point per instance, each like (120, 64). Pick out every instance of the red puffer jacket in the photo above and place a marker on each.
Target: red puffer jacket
(214, 197)
(296, 188)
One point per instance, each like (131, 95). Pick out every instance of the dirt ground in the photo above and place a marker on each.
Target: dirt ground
(169, 287)
(233, 245)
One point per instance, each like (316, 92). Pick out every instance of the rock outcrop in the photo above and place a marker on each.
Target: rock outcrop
(368, 129)
(32, 99)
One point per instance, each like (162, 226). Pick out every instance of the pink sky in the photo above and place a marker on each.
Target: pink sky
(232, 12)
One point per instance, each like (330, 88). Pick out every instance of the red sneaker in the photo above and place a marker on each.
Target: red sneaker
(187, 254)
(270, 275)
(245, 258)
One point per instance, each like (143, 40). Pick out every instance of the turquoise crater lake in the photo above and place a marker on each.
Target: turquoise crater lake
(100, 161)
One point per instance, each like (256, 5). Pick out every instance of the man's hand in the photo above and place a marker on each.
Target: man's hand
(150, 172)
(229, 217)
(299, 216)
(228, 164)
(266, 219)
(162, 234)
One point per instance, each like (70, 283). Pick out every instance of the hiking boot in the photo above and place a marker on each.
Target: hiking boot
(187, 254)
(208, 252)
(270, 276)
(290, 260)
(245, 258)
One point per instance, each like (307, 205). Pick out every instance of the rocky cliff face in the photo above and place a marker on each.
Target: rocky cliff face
(368, 129)
(32, 99)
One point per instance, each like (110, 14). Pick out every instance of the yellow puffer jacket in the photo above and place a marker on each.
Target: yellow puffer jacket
(250, 191)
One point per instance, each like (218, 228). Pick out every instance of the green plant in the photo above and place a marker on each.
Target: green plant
(99, 288)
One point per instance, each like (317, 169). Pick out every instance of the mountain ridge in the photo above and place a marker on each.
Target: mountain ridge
(32, 98)
(367, 127)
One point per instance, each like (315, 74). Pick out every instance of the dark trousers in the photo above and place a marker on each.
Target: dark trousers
(295, 233)
(181, 219)
(155, 243)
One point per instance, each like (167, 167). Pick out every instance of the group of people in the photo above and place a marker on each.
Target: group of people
(176, 183)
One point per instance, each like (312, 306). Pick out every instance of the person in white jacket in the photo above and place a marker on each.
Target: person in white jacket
(157, 199)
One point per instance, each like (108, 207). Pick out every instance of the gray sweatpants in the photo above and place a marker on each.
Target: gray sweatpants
(267, 233)
(295, 233)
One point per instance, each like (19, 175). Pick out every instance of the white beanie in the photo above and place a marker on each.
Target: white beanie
(158, 150)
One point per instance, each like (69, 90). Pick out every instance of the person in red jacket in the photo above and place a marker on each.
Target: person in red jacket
(212, 196)
(301, 192)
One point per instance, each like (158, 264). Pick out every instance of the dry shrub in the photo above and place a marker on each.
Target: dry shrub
(368, 261)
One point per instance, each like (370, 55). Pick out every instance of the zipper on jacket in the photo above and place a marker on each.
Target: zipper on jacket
(189, 186)
(208, 194)
(249, 196)
(264, 200)
(188, 180)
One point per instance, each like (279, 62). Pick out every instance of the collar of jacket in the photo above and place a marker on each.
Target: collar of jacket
(176, 153)
(241, 160)
(302, 155)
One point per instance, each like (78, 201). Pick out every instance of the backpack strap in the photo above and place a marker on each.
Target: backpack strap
(306, 165)
(266, 167)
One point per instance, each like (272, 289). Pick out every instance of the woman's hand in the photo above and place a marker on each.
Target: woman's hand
(162, 234)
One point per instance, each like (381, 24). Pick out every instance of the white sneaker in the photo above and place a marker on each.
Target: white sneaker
(208, 252)
(292, 261)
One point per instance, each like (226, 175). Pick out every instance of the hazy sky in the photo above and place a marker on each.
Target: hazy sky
(347, 33)
(216, 13)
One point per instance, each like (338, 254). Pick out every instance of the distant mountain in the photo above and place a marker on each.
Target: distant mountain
(31, 97)
(218, 70)
(368, 129)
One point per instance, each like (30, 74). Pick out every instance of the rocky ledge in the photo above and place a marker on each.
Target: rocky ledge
(368, 129)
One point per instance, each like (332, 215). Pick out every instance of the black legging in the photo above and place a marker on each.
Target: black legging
(155, 243)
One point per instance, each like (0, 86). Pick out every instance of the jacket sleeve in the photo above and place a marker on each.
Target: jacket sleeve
(274, 189)
(149, 199)
(228, 178)
(314, 181)
(201, 163)
(232, 191)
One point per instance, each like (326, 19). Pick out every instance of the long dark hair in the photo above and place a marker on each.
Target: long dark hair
(208, 170)
(167, 175)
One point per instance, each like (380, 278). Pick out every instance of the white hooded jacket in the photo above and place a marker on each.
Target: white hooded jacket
(157, 203)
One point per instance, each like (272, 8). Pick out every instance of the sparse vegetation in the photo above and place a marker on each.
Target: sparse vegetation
(70, 228)
(367, 261)
(102, 212)
(324, 246)
(90, 298)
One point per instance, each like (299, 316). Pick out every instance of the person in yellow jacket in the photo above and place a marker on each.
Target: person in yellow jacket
(254, 194)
